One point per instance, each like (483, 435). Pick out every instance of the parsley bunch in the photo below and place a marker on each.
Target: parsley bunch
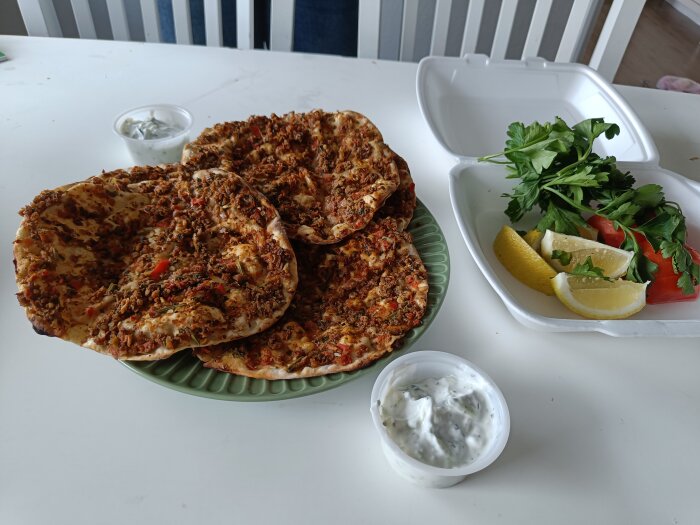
(560, 173)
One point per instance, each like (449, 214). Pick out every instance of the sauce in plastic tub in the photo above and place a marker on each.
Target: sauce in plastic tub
(439, 417)
(155, 134)
(443, 422)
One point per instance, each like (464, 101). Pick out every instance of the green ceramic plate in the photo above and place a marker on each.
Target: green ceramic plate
(185, 373)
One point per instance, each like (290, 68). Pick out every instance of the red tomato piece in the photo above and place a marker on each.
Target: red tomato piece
(607, 231)
(665, 265)
(664, 287)
(160, 268)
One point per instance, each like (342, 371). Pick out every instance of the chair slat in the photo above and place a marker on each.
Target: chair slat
(212, 23)
(83, 18)
(504, 28)
(183, 23)
(471, 26)
(408, 30)
(368, 23)
(244, 24)
(151, 20)
(281, 25)
(537, 27)
(572, 32)
(615, 36)
(40, 18)
(117, 20)
(441, 23)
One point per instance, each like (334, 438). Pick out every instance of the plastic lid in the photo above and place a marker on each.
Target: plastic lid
(469, 102)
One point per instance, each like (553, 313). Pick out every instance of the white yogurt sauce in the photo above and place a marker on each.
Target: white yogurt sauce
(440, 421)
(153, 141)
(148, 129)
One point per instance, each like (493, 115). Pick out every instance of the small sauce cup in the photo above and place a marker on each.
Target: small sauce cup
(415, 368)
(157, 150)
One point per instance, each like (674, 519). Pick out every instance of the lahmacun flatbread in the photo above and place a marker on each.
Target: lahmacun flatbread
(326, 173)
(355, 300)
(402, 203)
(143, 263)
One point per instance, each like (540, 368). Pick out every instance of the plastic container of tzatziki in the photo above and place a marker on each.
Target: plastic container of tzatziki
(154, 134)
(439, 418)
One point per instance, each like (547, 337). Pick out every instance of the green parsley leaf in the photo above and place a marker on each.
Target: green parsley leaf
(685, 283)
(562, 256)
(588, 269)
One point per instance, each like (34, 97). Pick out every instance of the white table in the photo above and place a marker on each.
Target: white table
(604, 430)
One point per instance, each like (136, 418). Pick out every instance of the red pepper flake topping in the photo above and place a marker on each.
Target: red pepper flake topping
(198, 201)
(75, 283)
(160, 268)
(256, 131)
(90, 311)
(412, 282)
(393, 304)
(220, 288)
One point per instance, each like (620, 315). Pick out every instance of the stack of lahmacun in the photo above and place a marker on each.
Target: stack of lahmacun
(276, 249)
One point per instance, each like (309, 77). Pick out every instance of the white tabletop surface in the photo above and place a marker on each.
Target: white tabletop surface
(604, 430)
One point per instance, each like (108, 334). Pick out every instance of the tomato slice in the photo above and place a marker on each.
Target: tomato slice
(664, 287)
(665, 265)
(607, 231)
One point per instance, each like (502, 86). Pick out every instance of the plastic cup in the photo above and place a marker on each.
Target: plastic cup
(417, 367)
(161, 150)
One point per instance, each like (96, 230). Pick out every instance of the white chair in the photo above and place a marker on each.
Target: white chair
(607, 55)
(41, 20)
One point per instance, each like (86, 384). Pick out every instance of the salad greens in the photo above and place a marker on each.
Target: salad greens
(588, 269)
(560, 173)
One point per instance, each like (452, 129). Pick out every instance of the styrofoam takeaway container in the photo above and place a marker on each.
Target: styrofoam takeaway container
(468, 104)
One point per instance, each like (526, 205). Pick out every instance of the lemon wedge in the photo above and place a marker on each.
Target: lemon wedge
(588, 232)
(534, 236)
(524, 263)
(534, 239)
(613, 261)
(597, 298)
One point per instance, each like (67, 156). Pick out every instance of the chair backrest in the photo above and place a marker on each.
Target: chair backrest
(41, 20)
(607, 55)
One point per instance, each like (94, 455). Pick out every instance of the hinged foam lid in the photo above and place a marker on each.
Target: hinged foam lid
(469, 102)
